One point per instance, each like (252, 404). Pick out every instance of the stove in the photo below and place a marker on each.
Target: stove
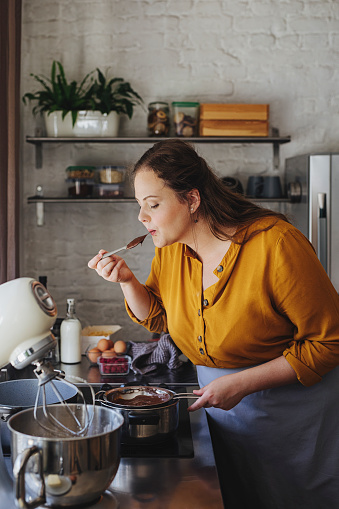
(177, 445)
(153, 476)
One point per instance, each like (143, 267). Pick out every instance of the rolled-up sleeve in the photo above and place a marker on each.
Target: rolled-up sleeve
(305, 294)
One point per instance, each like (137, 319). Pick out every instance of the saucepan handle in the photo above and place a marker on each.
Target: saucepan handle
(185, 395)
(19, 476)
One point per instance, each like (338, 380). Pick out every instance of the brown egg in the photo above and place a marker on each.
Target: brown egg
(108, 354)
(120, 347)
(103, 344)
(111, 344)
(93, 354)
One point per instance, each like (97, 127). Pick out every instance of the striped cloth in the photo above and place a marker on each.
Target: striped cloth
(148, 357)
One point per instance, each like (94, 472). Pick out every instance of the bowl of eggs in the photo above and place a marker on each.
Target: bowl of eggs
(110, 357)
(93, 333)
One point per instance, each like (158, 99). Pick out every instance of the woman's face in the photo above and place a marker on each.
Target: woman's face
(165, 217)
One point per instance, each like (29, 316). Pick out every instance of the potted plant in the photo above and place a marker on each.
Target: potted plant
(91, 108)
(115, 95)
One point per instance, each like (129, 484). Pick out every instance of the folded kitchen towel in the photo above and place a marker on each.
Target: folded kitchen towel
(147, 357)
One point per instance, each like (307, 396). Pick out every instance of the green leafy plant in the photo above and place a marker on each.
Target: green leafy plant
(101, 94)
(58, 94)
(115, 94)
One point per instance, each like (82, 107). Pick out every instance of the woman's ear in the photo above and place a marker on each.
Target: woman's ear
(193, 199)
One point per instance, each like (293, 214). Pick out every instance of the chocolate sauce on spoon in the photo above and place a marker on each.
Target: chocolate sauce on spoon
(134, 243)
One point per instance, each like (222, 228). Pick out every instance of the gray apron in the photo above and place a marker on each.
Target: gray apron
(278, 448)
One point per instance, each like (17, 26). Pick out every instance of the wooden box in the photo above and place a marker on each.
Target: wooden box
(234, 112)
(233, 128)
(234, 120)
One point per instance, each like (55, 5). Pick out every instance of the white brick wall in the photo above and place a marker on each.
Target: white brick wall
(284, 53)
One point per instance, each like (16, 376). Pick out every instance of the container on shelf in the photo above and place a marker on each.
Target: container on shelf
(80, 172)
(109, 190)
(110, 174)
(185, 118)
(80, 188)
(158, 120)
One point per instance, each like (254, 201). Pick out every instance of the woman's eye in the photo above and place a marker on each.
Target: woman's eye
(154, 206)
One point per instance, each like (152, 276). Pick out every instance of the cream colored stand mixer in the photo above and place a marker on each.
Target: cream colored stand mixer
(27, 313)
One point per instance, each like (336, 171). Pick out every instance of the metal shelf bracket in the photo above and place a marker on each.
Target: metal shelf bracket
(276, 149)
(40, 210)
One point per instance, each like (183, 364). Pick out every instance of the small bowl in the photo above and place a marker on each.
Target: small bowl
(90, 357)
(114, 366)
(93, 333)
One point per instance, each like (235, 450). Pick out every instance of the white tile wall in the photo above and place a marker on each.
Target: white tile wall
(283, 53)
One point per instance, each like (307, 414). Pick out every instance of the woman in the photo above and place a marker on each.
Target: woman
(244, 297)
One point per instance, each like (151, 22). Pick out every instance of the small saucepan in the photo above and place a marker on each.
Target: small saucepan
(151, 414)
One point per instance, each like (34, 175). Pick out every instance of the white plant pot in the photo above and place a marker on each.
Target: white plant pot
(88, 124)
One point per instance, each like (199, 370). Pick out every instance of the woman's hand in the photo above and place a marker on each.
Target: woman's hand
(113, 268)
(223, 392)
(227, 391)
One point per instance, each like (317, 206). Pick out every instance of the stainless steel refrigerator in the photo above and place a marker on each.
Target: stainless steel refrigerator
(312, 184)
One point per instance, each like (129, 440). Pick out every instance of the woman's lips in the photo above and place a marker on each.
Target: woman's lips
(152, 232)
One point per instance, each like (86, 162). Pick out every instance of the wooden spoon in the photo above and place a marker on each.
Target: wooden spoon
(130, 245)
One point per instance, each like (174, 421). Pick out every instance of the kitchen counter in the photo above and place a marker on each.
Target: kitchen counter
(185, 375)
(173, 482)
(165, 480)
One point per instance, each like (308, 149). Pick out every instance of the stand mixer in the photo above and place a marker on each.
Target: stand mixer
(27, 313)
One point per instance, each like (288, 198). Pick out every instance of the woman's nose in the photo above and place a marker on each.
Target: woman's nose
(142, 217)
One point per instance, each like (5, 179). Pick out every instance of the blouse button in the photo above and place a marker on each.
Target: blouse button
(200, 339)
(205, 302)
(220, 268)
(201, 351)
(199, 313)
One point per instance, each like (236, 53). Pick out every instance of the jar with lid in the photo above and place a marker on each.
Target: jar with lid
(185, 118)
(158, 120)
(70, 336)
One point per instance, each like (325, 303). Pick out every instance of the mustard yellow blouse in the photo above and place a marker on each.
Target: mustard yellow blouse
(273, 298)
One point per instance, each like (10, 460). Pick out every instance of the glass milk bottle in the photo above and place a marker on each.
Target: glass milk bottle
(70, 336)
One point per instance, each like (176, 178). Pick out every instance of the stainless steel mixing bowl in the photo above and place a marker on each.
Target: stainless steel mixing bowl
(65, 470)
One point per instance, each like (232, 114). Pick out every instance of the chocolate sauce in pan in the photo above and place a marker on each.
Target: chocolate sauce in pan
(147, 399)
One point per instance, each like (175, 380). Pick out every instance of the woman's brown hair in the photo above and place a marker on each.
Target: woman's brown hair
(181, 168)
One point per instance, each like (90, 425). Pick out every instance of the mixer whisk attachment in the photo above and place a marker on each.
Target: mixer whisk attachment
(63, 420)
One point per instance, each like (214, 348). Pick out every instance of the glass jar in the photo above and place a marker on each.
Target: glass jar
(158, 120)
(185, 118)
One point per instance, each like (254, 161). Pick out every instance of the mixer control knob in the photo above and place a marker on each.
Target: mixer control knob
(44, 299)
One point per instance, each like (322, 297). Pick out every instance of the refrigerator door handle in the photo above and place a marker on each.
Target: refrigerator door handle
(322, 230)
